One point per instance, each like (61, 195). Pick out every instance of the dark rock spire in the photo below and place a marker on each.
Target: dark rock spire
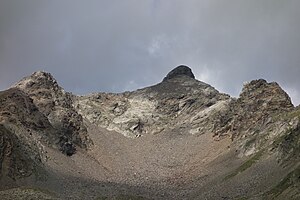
(181, 70)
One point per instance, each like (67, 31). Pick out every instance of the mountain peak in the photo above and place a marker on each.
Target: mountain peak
(270, 95)
(39, 79)
(42, 73)
(181, 70)
(43, 76)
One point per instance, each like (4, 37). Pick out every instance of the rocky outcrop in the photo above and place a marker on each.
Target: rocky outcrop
(258, 103)
(253, 120)
(57, 106)
(15, 161)
(266, 98)
(179, 71)
(17, 108)
(23, 133)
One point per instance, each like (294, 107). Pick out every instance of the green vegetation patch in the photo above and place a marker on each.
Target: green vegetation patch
(290, 180)
(289, 145)
(286, 116)
(292, 115)
(247, 164)
(122, 197)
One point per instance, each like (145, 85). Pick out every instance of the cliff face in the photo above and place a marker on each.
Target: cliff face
(23, 132)
(14, 161)
(180, 127)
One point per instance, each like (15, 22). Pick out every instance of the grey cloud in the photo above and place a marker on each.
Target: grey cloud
(115, 45)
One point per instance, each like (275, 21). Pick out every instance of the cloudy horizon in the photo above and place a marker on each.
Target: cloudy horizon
(114, 46)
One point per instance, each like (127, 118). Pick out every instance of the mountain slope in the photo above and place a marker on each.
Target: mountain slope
(179, 139)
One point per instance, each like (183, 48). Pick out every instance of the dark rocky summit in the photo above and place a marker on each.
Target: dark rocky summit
(181, 70)
(179, 139)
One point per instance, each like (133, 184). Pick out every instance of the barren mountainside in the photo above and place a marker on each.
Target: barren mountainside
(178, 139)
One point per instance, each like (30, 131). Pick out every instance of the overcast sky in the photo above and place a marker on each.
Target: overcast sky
(118, 45)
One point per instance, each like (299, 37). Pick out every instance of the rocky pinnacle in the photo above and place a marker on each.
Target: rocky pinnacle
(181, 70)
